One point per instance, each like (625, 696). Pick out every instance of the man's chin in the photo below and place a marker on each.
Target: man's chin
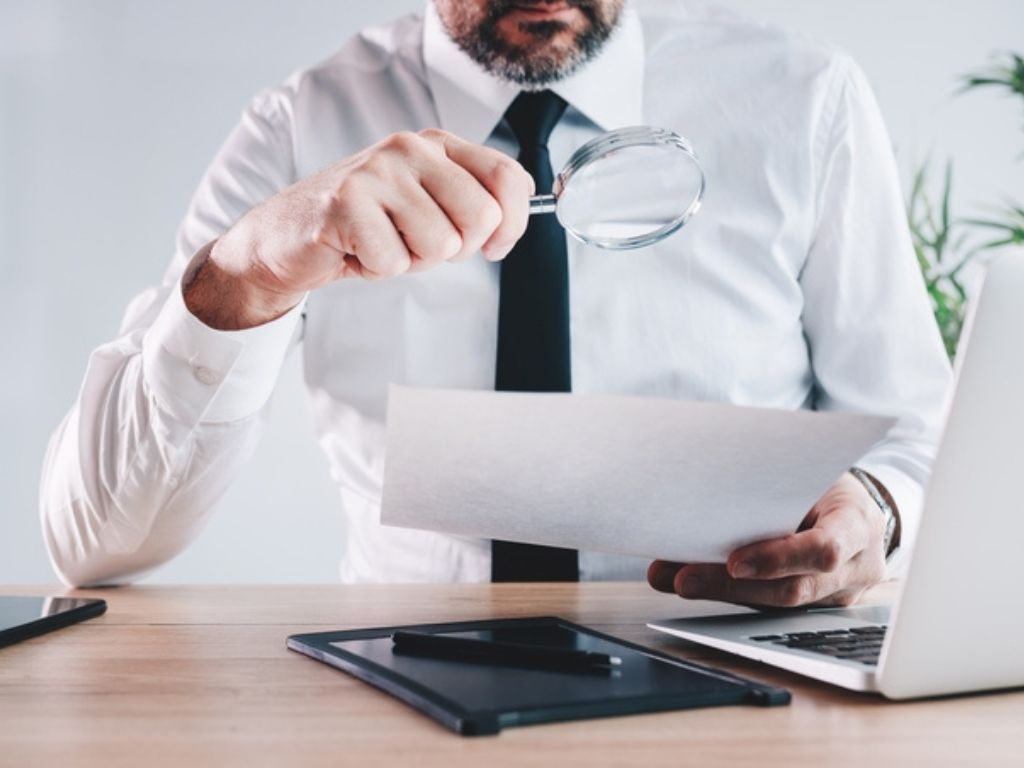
(533, 42)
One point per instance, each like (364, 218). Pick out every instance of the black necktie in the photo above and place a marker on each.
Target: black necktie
(533, 320)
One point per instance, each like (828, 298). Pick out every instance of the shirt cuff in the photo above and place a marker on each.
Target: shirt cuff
(199, 374)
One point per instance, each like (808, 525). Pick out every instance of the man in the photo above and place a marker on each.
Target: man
(349, 206)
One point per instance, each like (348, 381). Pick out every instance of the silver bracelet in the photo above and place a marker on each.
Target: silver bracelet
(887, 511)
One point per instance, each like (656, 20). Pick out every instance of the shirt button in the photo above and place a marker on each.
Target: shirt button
(205, 375)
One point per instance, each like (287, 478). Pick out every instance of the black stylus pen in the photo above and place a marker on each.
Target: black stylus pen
(502, 654)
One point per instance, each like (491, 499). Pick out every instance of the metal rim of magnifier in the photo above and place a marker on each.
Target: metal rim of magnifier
(635, 136)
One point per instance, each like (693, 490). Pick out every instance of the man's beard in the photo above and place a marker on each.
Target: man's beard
(533, 66)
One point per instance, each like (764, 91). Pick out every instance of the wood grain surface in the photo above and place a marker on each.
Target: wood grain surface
(199, 675)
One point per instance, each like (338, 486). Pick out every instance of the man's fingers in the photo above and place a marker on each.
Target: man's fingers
(810, 551)
(713, 582)
(830, 562)
(469, 206)
(429, 235)
(832, 541)
(507, 182)
(372, 238)
(661, 575)
(443, 198)
(701, 582)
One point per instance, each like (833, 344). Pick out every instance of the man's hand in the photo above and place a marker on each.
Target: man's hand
(409, 203)
(831, 560)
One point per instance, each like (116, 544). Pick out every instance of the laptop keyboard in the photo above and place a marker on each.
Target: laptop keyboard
(863, 644)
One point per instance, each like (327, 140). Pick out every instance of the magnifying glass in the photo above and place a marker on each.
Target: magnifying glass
(626, 189)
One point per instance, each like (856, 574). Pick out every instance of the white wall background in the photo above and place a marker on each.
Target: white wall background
(110, 110)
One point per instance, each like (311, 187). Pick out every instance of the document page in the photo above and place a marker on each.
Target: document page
(668, 479)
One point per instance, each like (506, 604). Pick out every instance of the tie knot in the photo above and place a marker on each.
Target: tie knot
(533, 115)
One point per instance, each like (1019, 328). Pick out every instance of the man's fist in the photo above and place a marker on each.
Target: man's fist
(409, 203)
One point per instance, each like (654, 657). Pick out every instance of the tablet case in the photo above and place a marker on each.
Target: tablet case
(477, 699)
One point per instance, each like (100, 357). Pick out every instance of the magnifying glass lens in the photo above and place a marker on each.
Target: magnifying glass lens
(626, 189)
(628, 194)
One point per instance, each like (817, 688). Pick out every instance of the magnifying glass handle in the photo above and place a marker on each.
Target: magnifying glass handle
(542, 204)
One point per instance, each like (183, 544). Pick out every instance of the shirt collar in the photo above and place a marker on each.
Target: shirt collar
(470, 101)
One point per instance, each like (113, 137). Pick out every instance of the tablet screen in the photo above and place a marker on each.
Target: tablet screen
(483, 687)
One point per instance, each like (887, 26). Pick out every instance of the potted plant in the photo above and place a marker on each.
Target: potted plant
(945, 244)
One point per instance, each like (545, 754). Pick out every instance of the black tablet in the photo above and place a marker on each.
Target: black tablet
(474, 698)
(25, 617)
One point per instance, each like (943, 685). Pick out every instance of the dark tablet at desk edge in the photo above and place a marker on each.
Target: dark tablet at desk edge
(452, 715)
(78, 609)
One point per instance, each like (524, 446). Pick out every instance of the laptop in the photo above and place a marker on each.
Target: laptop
(958, 622)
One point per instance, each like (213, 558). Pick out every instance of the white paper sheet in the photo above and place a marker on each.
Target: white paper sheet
(665, 479)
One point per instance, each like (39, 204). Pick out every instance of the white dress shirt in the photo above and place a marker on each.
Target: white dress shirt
(795, 287)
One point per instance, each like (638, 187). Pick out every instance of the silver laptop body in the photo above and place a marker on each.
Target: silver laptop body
(958, 624)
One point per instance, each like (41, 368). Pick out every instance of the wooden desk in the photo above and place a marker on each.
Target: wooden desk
(200, 676)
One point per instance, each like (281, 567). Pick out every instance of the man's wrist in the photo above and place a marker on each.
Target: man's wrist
(227, 301)
(886, 504)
